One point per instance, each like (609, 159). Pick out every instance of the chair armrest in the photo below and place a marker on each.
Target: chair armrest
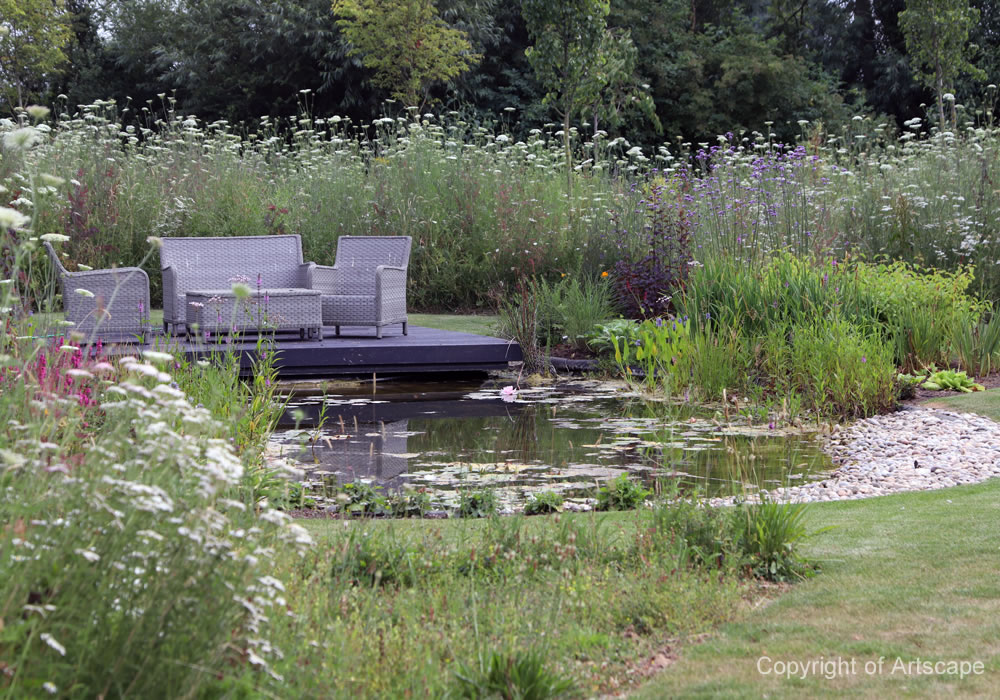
(324, 278)
(170, 295)
(120, 294)
(306, 274)
(106, 282)
(390, 291)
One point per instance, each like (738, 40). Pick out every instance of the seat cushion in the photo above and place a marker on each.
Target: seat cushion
(348, 310)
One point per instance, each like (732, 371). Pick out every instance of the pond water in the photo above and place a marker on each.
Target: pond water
(569, 437)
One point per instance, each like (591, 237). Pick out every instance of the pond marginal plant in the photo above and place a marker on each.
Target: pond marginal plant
(621, 493)
(953, 380)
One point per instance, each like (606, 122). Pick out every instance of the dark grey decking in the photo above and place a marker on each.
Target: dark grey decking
(357, 352)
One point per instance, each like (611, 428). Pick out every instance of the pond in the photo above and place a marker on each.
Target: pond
(569, 437)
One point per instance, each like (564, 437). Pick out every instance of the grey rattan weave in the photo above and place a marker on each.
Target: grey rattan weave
(110, 301)
(198, 262)
(220, 311)
(367, 284)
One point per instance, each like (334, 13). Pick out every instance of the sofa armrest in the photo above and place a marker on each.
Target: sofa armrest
(324, 278)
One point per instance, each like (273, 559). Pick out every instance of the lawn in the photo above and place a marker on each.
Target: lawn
(469, 323)
(911, 578)
(985, 403)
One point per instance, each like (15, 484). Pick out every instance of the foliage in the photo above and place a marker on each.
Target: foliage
(978, 345)
(478, 504)
(360, 498)
(409, 503)
(937, 33)
(654, 261)
(520, 675)
(906, 384)
(841, 369)
(139, 579)
(621, 493)
(570, 309)
(568, 37)
(660, 349)
(768, 533)
(33, 38)
(519, 320)
(405, 43)
(544, 502)
(951, 380)
(708, 534)
(604, 335)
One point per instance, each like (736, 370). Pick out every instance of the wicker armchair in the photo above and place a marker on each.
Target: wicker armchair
(118, 299)
(367, 284)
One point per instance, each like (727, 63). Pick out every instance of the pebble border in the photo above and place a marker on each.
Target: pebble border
(914, 449)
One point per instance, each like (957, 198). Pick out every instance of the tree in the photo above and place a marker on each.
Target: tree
(937, 36)
(33, 34)
(567, 36)
(405, 43)
(618, 91)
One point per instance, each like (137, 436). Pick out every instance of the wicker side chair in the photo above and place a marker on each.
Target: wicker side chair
(117, 303)
(367, 284)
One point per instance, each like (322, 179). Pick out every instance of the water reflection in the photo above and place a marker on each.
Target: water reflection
(569, 438)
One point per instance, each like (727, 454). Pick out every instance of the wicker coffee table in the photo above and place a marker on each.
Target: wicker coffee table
(221, 311)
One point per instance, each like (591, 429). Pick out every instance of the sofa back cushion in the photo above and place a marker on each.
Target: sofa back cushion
(217, 263)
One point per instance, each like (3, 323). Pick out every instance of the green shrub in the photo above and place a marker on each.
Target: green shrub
(707, 534)
(409, 503)
(371, 558)
(951, 380)
(768, 533)
(602, 337)
(570, 309)
(660, 350)
(543, 502)
(519, 320)
(360, 498)
(516, 676)
(621, 493)
(978, 345)
(478, 504)
(839, 369)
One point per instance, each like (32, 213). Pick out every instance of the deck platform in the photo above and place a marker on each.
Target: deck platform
(357, 352)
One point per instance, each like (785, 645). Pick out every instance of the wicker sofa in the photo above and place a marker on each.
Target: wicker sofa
(114, 301)
(199, 263)
(366, 286)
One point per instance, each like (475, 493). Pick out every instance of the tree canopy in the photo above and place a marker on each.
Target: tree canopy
(405, 43)
(696, 68)
(34, 35)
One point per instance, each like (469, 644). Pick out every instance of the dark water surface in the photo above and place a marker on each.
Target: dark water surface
(568, 437)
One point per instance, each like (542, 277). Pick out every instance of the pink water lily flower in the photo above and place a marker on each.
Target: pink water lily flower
(508, 393)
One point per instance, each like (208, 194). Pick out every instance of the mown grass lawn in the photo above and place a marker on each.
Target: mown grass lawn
(484, 324)
(909, 577)
(985, 403)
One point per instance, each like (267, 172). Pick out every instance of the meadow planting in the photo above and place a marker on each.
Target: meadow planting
(143, 545)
